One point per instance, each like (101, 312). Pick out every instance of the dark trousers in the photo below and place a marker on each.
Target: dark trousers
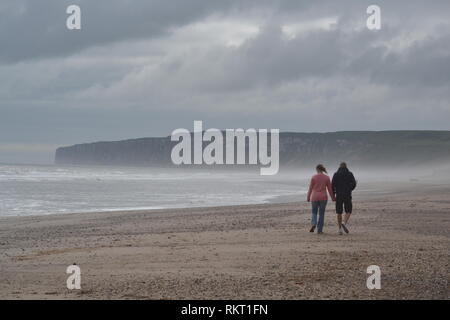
(344, 202)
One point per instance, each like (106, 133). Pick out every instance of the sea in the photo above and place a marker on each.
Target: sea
(27, 190)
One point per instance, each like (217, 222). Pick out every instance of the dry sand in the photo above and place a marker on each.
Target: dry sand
(239, 252)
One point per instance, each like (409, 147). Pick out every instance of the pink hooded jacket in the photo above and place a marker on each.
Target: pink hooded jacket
(318, 188)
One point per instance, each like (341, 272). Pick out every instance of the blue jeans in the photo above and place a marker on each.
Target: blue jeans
(318, 207)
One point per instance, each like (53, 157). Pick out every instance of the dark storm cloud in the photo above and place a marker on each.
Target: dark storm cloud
(270, 59)
(31, 29)
(35, 29)
(425, 63)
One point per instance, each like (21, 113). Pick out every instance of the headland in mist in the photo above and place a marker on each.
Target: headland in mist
(299, 150)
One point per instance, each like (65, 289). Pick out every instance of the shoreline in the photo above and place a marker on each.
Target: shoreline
(392, 188)
(259, 251)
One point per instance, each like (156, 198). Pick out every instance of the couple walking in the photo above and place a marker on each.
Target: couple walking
(340, 190)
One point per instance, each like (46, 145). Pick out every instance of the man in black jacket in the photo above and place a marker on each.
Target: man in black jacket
(343, 184)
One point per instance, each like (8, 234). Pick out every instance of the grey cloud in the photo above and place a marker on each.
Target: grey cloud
(32, 29)
(271, 60)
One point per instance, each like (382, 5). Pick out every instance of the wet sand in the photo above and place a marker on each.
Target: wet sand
(237, 252)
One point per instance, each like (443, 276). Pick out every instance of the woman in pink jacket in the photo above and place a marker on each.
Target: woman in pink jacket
(317, 194)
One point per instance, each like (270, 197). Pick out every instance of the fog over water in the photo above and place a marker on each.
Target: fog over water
(40, 190)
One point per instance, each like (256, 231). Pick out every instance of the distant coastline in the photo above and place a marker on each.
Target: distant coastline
(360, 148)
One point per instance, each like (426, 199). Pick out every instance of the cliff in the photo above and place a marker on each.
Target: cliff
(391, 148)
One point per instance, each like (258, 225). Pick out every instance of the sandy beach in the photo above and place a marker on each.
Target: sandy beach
(236, 252)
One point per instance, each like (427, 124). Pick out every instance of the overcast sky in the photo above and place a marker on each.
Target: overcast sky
(145, 68)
